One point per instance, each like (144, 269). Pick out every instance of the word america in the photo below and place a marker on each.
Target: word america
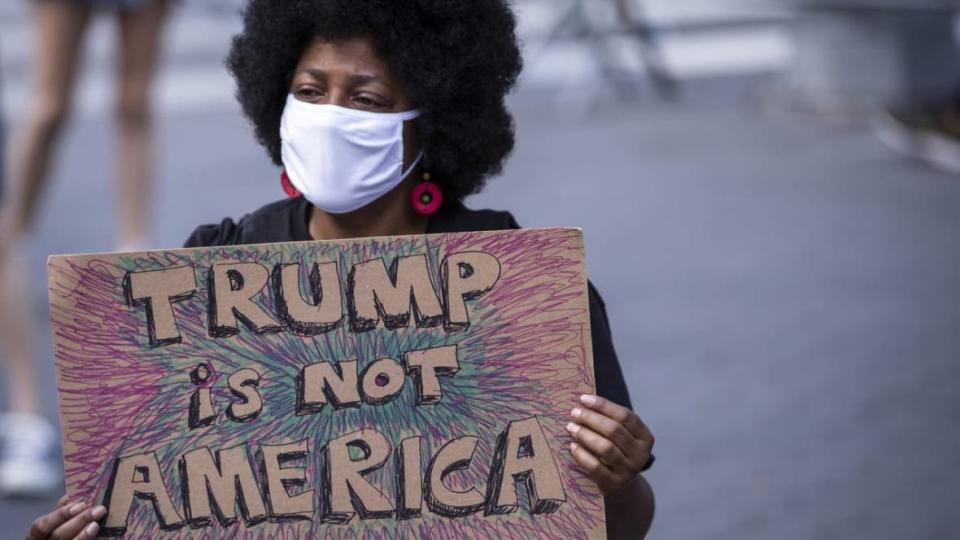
(374, 293)
(225, 486)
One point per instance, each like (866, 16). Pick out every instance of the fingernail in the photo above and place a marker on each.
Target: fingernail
(98, 512)
(588, 400)
(576, 412)
(77, 508)
(573, 446)
(92, 529)
(572, 428)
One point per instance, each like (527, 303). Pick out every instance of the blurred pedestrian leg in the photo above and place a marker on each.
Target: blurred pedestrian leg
(140, 38)
(3, 134)
(60, 26)
(27, 439)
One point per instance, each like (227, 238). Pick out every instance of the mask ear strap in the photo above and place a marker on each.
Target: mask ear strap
(412, 167)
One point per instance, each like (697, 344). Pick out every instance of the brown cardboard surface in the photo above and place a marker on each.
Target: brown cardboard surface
(384, 387)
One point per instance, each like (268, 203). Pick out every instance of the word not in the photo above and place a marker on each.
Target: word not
(338, 384)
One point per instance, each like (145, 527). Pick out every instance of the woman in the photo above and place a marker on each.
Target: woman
(60, 26)
(384, 115)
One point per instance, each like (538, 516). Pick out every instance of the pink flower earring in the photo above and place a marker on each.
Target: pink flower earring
(427, 196)
(287, 185)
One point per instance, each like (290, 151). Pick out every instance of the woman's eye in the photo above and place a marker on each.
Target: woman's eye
(309, 93)
(367, 102)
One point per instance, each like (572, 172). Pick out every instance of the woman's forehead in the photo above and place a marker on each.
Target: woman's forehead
(355, 55)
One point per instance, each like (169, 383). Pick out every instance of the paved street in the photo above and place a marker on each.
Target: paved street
(784, 292)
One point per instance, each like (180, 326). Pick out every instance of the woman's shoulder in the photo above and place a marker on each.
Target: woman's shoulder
(281, 221)
(456, 217)
(285, 221)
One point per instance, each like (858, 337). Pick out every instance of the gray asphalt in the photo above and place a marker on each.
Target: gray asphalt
(783, 294)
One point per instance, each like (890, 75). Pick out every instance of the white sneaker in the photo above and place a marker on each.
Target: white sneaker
(26, 469)
(931, 135)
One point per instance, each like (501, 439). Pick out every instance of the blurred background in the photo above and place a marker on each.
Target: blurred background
(770, 192)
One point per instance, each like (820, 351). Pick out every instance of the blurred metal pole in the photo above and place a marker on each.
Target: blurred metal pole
(633, 17)
(574, 22)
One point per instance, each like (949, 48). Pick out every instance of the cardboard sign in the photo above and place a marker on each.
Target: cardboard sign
(379, 388)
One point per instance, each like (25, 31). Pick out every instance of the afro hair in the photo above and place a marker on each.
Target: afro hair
(457, 60)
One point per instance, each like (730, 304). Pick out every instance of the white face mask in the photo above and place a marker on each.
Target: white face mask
(342, 159)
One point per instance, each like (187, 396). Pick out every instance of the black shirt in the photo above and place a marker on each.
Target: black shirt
(286, 221)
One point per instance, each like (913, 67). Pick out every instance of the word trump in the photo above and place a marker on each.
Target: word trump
(225, 486)
(375, 295)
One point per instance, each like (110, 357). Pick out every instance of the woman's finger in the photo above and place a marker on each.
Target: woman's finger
(63, 500)
(78, 524)
(89, 532)
(601, 447)
(621, 414)
(598, 472)
(44, 526)
(607, 427)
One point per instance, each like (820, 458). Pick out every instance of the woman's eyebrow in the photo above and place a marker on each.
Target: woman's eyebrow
(362, 78)
(356, 79)
(317, 74)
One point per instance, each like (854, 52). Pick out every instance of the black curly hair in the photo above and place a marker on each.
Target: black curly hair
(457, 60)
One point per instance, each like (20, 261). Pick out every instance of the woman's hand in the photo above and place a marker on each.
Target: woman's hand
(75, 521)
(611, 443)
